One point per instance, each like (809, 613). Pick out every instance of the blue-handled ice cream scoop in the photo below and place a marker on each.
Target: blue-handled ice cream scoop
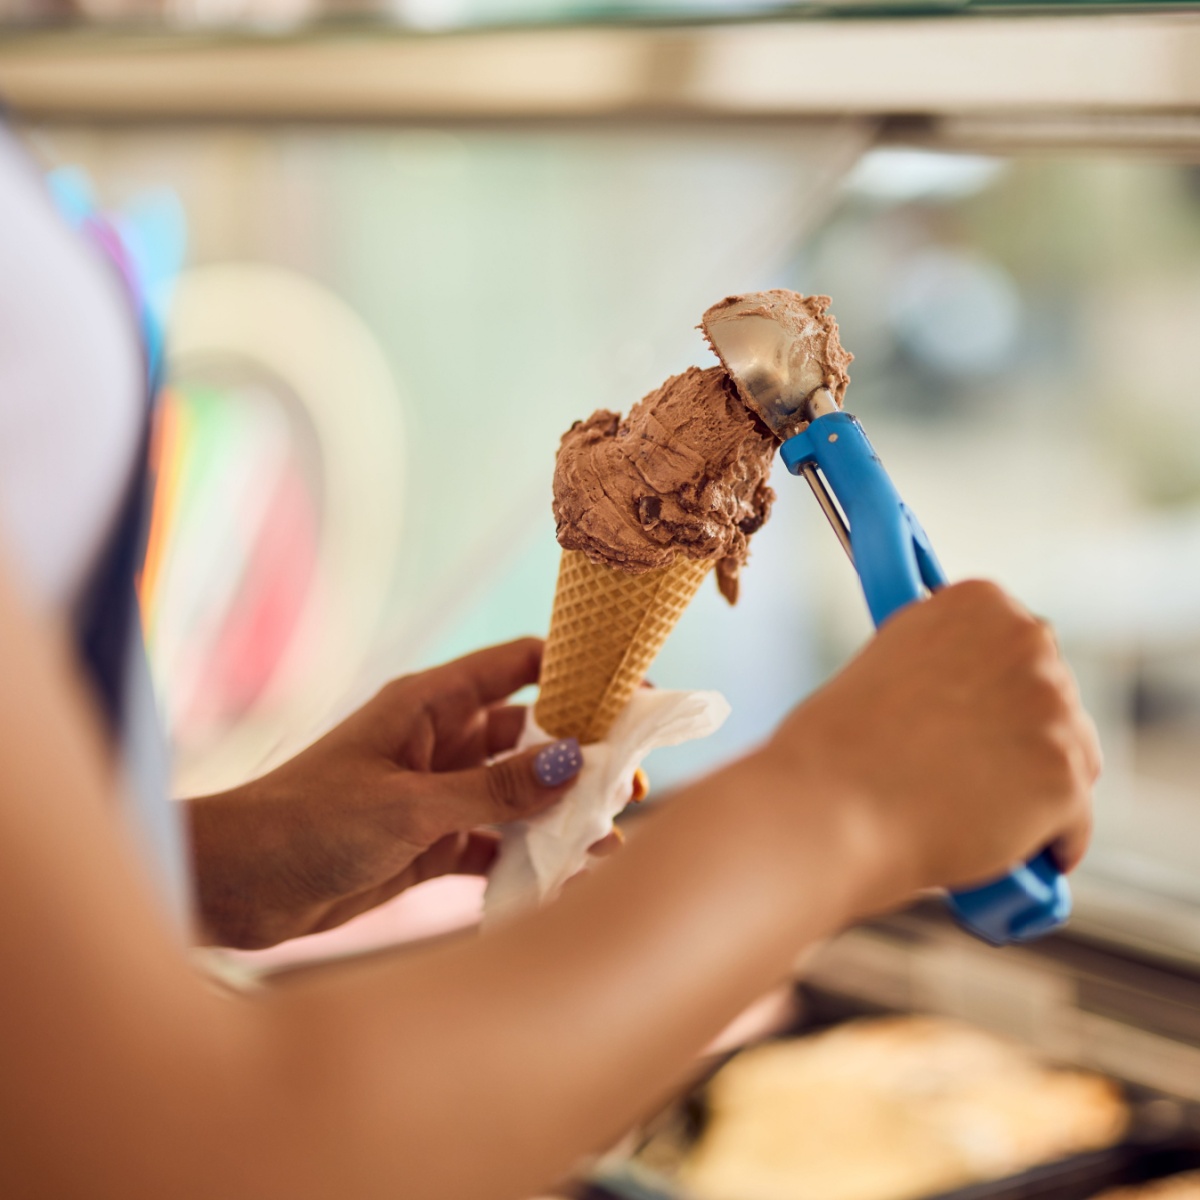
(776, 347)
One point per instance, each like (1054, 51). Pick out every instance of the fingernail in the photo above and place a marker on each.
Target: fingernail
(641, 786)
(555, 764)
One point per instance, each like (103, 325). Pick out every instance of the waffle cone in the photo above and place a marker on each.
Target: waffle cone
(606, 629)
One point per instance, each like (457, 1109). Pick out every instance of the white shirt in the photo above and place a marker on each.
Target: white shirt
(72, 405)
(71, 390)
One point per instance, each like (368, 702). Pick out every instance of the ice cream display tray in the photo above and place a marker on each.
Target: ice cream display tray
(1162, 1138)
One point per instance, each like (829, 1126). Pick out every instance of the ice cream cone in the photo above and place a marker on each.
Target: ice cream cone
(606, 629)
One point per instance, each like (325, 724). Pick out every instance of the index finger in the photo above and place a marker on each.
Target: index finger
(495, 673)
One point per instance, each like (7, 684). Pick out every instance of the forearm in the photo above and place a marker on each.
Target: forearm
(547, 1037)
(475, 1070)
(238, 847)
(482, 1068)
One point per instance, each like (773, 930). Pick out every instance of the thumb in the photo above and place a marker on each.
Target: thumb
(513, 787)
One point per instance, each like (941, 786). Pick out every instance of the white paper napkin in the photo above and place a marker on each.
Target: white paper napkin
(539, 855)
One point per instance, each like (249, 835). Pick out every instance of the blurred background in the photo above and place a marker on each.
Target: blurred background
(380, 336)
(383, 326)
(399, 290)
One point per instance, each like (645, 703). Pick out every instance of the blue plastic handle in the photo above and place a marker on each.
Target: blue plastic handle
(897, 566)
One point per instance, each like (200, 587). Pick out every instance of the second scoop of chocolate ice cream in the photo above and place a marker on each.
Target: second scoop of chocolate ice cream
(684, 473)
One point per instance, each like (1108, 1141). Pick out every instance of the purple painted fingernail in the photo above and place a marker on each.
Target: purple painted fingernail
(555, 764)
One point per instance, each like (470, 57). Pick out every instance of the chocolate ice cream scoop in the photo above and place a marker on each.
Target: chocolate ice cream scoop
(784, 355)
(685, 473)
(780, 348)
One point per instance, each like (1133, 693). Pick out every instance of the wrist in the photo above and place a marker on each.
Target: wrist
(814, 801)
(229, 863)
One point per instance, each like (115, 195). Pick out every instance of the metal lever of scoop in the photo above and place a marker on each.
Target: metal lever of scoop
(896, 565)
(828, 507)
(819, 403)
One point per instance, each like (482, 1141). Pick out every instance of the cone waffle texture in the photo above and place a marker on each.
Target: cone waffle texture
(605, 631)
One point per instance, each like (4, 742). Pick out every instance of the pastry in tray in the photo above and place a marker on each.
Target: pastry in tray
(1173, 1187)
(890, 1109)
